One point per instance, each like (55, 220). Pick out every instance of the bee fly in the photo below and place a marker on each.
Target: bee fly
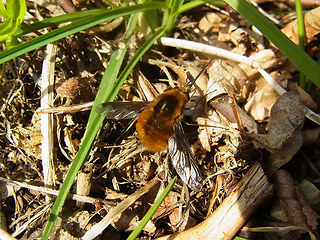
(159, 127)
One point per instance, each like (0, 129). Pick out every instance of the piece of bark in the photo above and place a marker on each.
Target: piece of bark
(234, 211)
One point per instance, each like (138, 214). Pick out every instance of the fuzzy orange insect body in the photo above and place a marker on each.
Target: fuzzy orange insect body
(156, 123)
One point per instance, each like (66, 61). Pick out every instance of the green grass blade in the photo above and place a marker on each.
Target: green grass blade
(152, 210)
(171, 14)
(14, 14)
(300, 21)
(3, 10)
(190, 5)
(56, 20)
(16, 9)
(152, 17)
(301, 35)
(295, 54)
(74, 28)
(69, 17)
(7, 28)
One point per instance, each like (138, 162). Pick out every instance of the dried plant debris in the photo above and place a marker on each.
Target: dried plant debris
(226, 83)
(227, 29)
(284, 137)
(226, 220)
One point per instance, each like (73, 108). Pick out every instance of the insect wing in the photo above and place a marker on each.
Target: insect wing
(183, 159)
(120, 110)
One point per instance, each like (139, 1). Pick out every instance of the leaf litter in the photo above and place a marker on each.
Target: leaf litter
(274, 136)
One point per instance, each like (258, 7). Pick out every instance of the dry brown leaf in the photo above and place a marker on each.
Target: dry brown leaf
(263, 97)
(246, 41)
(223, 106)
(30, 138)
(260, 103)
(222, 83)
(305, 98)
(293, 202)
(211, 22)
(289, 149)
(284, 138)
(72, 144)
(312, 26)
(287, 115)
(311, 215)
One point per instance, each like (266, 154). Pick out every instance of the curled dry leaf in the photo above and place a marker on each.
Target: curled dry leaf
(284, 138)
(260, 103)
(222, 83)
(224, 79)
(311, 215)
(212, 22)
(287, 114)
(305, 98)
(298, 212)
(72, 144)
(312, 26)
